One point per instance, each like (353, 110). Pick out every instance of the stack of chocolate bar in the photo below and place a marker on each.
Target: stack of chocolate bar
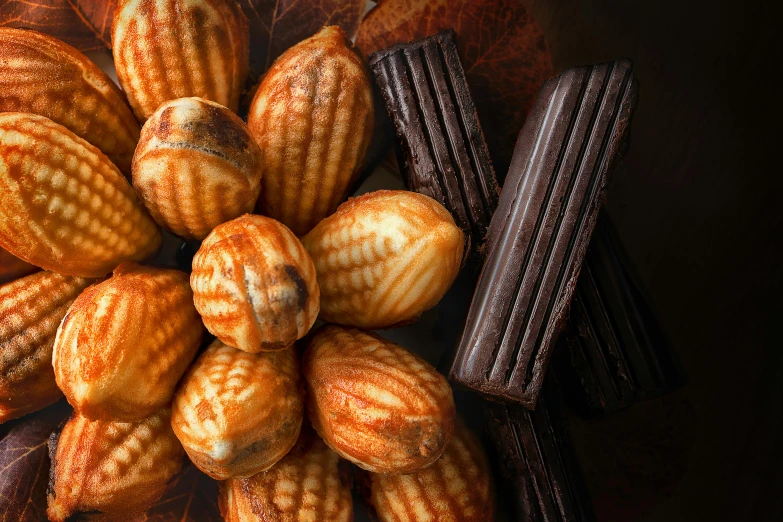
(532, 241)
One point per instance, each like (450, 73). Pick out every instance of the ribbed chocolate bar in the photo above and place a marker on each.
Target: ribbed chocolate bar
(441, 149)
(613, 351)
(538, 236)
(541, 480)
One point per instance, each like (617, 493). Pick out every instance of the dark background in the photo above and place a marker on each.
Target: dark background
(698, 205)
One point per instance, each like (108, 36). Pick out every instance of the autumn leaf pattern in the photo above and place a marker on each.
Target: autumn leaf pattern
(84, 24)
(276, 25)
(24, 463)
(192, 498)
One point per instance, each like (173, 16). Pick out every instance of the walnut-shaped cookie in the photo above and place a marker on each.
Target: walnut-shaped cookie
(374, 402)
(305, 485)
(384, 258)
(31, 309)
(109, 470)
(125, 343)
(313, 117)
(237, 413)
(65, 207)
(196, 167)
(254, 284)
(169, 49)
(457, 488)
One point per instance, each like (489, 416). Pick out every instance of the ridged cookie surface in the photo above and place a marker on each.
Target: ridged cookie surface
(254, 284)
(238, 413)
(111, 470)
(375, 403)
(196, 167)
(457, 488)
(63, 205)
(169, 49)
(384, 258)
(312, 115)
(304, 486)
(125, 343)
(31, 309)
(40, 74)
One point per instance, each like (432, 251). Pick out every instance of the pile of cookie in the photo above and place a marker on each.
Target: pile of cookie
(90, 182)
(220, 360)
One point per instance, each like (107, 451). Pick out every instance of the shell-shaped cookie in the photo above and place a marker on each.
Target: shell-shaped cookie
(313, 118)
(254, 285)
(237, 413)
(11, 267)
(111, 470)
(125, 343)
(374, 402)
(196, 167)
(304, 486)
(63, 205)
(384, 258)
(457, 488)
(40, 74)
(31, 309)
(169, 49)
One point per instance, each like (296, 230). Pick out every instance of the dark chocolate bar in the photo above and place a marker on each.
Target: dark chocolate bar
(613, 351)
(540, 478)
(573, 137)
(441, 149)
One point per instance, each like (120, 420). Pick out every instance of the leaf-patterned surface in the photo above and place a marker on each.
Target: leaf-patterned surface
(24, 464)
(276, 25)
(84, 24)
(503, 51)
(192, 498)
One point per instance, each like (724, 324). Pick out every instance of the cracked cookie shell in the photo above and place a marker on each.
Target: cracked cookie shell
(196, 167)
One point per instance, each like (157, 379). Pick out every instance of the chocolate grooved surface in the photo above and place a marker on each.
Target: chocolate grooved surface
(582, 214)
(537, 237)
(539, 234)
